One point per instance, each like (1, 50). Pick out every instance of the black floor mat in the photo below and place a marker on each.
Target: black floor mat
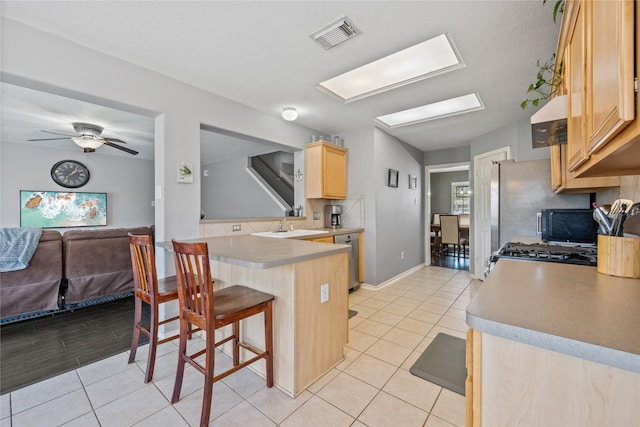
(352, 313)
(443, 363)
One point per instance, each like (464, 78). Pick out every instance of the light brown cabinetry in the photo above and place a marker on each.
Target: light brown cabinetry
(326, 171)
(544, 387)
(328, 239)
(599, 49)
(565, 181)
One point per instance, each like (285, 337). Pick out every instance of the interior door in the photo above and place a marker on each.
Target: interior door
(482, 206)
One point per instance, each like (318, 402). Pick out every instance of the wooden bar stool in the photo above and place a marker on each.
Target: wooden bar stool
(150, 290)
(208, 310)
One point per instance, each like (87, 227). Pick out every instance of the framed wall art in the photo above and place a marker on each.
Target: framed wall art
(393, 178)
(413, 182)
(57, 209)
(185, 172)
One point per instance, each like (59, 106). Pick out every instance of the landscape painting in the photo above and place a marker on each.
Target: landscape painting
(56, 209)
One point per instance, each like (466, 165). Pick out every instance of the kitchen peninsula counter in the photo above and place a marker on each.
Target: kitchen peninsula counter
(563, 338)
(309, 334)
(566, 308)
(263, 252)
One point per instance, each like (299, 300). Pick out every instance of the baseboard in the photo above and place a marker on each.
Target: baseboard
(393, 279)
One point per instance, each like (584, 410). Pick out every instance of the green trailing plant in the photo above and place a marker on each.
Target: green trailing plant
(558, 8)
(549, 77)
(547, 84)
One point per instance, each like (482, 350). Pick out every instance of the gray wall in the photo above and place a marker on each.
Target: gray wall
(399, 211)
(127, 181)
(179, 110)
(394, 217)
(230, 192)
(443, 157)
(441, 189)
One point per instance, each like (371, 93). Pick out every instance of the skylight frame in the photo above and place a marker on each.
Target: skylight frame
(417, 50)
(449, 113)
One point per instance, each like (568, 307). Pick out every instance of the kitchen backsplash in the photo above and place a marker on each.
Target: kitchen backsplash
(630, 187)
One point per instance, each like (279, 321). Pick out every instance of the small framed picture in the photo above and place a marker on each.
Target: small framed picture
(413, 182)
(393, 178)
(185, 172)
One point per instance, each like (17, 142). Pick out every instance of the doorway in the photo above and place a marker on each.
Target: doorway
(440, 180)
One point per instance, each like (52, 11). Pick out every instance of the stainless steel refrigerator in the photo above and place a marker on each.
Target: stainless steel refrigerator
(519, 190)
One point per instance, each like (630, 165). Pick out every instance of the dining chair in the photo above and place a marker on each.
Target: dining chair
(208, 310)
(435, 233)
(149, 290)
(450, 232)
(464, 221)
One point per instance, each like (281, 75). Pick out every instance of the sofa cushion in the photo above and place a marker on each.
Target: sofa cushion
(36, 287)
(97, 263)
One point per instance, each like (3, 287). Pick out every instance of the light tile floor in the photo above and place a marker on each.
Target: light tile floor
(371, 387)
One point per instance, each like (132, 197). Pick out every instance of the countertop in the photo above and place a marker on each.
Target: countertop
(566, 308)
(262, 252)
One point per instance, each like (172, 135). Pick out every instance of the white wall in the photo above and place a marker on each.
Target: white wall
(128, 182)
(179, 110)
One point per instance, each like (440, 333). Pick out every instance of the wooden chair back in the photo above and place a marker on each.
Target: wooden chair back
(143, 262)
(195, 285)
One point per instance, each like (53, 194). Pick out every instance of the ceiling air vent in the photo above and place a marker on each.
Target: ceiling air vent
(335, 33)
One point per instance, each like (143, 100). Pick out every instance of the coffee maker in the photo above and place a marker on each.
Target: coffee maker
(332, 216)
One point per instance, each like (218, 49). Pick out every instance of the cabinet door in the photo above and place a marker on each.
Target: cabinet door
(610, 85)
(575, 69)
(556, 167)
(335, 173)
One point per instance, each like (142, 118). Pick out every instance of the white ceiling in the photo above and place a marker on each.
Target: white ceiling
(259, 53)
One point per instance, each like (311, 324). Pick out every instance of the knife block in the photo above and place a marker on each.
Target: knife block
(619, 256)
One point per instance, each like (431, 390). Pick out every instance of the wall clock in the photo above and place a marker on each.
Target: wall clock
(70, 174)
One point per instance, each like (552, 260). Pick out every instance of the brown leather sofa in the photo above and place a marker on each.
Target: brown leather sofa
(37, 287)
(79, 266)
(97, 263)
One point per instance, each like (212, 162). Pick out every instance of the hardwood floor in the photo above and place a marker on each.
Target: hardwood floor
(450, 261)
(37, 349)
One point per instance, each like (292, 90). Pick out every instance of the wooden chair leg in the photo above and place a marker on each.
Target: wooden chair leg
(182, 355)
(137, 318)
(153, 344)
(268, 342)
(208, 380)
(236, 343)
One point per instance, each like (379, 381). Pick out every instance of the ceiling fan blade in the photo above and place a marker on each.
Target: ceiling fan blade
(56, 133)
(128, 150)
(47, 139)
(114, 140)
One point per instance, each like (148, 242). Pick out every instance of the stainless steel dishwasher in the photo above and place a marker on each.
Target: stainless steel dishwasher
(354, 255)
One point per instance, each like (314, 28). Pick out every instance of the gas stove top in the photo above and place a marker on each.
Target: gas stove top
(579, 255)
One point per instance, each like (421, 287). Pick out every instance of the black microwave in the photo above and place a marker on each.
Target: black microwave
(568, 226)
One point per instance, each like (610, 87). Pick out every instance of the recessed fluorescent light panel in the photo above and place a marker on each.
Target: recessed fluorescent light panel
(437, 110)
(426, 59)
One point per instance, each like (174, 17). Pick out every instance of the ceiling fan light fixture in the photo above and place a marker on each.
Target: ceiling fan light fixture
(88, 141)
(289, 114)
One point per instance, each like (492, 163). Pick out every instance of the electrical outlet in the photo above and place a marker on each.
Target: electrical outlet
(236, 227)
(401, 254)
(316, 216)
(324, 292)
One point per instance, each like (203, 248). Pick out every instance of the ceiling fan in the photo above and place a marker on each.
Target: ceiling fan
(88, 137)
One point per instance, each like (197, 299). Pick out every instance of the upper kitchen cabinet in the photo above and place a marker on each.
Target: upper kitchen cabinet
(599, 47)
(326, 171)
(565, 181)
